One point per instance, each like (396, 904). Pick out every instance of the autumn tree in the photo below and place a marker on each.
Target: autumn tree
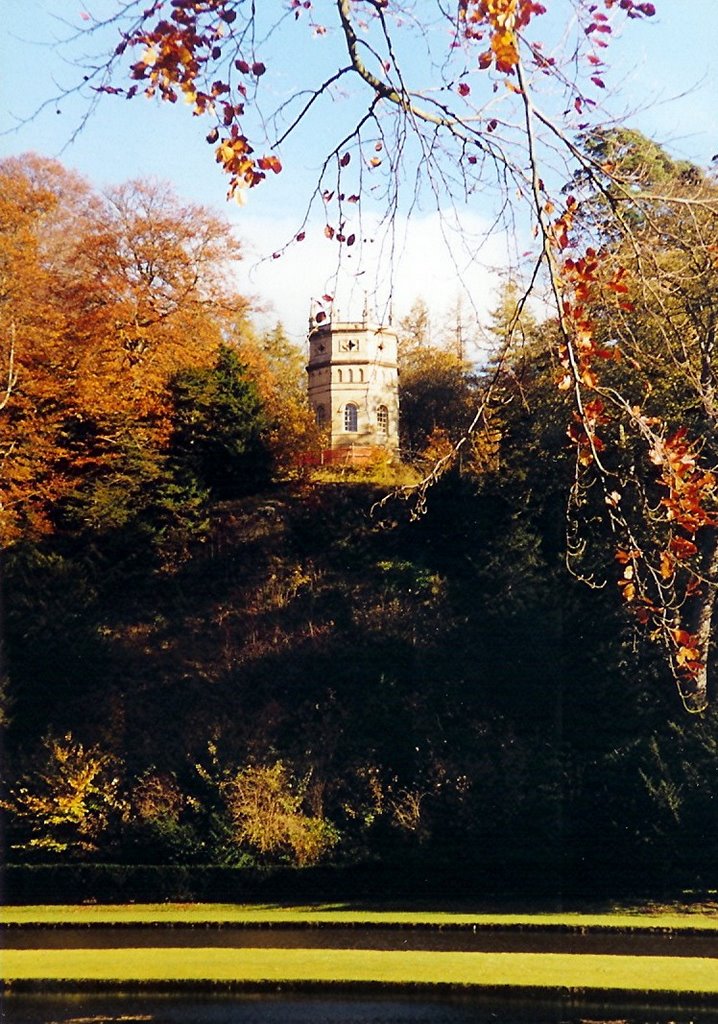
(276, 366)
(70, 802)
(33, 326)
(104, 297)
(656, 323)
(437, 394)
(264, 804)
(151, 282)
(437, 397)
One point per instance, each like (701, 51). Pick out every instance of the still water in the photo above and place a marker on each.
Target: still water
(327, 1009)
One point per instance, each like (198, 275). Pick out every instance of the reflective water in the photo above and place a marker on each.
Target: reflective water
(280, 1008)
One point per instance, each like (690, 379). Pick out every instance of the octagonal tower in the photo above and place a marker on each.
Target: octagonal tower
(354, 384)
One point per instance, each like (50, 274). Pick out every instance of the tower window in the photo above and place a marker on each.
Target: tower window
(382, 419)
(351, 418)
(321, 415)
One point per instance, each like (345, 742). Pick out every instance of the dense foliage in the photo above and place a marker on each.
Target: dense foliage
(312, 682)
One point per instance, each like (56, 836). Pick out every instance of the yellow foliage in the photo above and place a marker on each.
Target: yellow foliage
(70, 801)
(265, 807)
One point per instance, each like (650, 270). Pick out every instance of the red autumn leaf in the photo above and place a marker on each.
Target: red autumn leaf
(301, 236)
(666, 565)
(345, 159)
(258, 68)
(463, 89)
(683, 547)
(270, 163)
(626, 556)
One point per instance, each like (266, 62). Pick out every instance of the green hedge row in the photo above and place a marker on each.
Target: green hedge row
(118, 883)
(372, 882)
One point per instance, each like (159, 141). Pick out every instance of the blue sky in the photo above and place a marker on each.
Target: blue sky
(663, 74)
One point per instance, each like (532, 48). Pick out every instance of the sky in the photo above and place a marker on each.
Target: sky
(662, 74)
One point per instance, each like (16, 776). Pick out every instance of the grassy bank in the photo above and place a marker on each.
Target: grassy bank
(224, 967)
(677, 918)
(236, 967)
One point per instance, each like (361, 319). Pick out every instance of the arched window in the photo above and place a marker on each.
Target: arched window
(382, 419)
(350, 376)
(339, 376)
(361, 375)
(351, 418)
(321, 415)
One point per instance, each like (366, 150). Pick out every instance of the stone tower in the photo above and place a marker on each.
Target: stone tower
(353, 383)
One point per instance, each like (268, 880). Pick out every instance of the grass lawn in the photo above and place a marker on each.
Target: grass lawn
(217, 913)
(550, 971)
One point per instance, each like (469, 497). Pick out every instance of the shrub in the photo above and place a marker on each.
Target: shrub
(265, 808)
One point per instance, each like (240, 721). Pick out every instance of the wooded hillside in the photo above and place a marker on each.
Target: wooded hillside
(214, 658)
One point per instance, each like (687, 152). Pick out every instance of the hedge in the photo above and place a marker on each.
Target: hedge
(407, 880)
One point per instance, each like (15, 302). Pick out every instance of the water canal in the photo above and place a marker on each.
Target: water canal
(282, 1008)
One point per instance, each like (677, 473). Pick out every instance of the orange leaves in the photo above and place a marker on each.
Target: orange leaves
(628, 581)
(584, 430)
(687, 652)
(691, 489)
(235, 155)
(178, 55)
(579, 279)
(561, 227)
(684, 645)
(682, 547)
(270, 163)
(503, 19)
(500, 22)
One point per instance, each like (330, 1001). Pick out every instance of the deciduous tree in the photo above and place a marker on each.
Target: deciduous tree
(70, 802)
(102, 299)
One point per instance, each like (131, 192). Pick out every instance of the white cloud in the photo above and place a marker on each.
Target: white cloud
(425, 257)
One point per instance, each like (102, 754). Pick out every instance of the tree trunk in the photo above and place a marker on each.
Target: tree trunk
(698, 620)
